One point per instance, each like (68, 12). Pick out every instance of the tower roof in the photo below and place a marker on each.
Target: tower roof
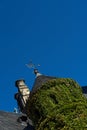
(84, 90)
(39, 81)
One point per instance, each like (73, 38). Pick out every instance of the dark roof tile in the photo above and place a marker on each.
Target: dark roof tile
(8, 121)
(39, 81)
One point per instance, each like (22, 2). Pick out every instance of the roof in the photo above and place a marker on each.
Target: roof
(9, 121)
(41, 79)
(84, 90)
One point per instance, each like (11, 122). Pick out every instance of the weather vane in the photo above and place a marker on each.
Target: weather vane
(31, 65)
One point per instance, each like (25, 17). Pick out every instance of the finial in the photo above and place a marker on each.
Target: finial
(31, 65)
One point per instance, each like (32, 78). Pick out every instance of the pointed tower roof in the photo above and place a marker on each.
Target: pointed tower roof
(40, 78)
(39, 81)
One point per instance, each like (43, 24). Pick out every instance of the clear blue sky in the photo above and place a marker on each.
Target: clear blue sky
(52, 33)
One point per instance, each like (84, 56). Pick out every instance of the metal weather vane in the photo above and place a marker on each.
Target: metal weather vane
(33, 66)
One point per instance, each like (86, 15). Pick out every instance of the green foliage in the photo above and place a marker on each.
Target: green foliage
(58, 105)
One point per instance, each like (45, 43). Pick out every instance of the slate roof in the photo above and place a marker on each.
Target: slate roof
(9, 121)
(39, 81)
(84, 89)
(43, 79)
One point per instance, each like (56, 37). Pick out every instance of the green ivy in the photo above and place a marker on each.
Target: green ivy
(58, 105)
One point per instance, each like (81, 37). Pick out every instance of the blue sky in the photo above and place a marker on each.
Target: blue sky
(50, 32)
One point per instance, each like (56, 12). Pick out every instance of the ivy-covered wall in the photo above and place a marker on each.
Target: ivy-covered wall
(58, 105)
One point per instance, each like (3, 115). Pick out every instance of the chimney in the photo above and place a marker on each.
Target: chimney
(22, 95)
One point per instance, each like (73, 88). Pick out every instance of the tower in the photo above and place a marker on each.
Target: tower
(22, 95)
